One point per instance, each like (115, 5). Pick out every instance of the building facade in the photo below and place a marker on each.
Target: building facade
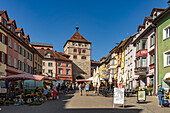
(79, 50)
(19, 55)
(162, 23)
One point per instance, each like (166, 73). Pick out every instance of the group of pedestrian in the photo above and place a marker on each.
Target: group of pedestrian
(65, 87)
(85, 86)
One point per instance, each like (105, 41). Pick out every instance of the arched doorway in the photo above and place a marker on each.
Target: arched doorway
(79, 77)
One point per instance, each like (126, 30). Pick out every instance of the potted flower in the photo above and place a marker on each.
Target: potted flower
(7, 103)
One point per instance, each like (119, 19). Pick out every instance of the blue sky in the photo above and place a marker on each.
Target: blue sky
(102, 22)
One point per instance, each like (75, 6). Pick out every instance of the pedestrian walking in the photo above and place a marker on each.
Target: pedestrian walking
(87, 87)
(160, 94)
(80, 88)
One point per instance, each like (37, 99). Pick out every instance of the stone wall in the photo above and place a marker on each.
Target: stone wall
(81, 68)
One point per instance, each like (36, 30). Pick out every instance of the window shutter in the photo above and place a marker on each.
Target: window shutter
(0, 37)
(0, 56)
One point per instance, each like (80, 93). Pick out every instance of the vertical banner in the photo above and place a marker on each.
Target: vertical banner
(118, 97)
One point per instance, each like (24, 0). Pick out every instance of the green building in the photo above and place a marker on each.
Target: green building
(162, 22)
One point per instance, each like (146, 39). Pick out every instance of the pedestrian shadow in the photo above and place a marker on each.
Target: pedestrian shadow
(103, 110)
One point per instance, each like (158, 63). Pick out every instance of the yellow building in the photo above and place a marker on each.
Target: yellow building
(102, 67)
(3, 53)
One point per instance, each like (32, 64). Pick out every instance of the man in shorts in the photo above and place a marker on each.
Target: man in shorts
(87, 87)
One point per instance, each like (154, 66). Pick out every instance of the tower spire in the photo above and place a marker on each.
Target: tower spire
(77, 28)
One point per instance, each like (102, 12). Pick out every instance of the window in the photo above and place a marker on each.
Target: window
(59, 63)
(143, 62)
(59, 71)
(15, 62)
(42, 48)
(35, 57)
(144, 44)
(20, 49)
(67, 71)
(75, 50)
(15, 46)
(10, 60)
(75, 57)
(50, 71)
(79, 44)
(48, 55)
(3, 38)
(48, 48)
(28, 54)
(67, 64)
(50, 64)
(43, 70)
(10, 43)
(43, 63)
(19, 65)
(83, 57)
(166, 32)
(84, 51)
(152, 39)
(167, 58)
(152, 58)
(3, 58)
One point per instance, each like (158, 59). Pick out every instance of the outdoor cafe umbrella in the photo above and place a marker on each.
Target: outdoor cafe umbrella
(94, 77)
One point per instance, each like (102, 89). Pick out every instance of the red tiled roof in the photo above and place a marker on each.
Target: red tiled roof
(78, 37)
(60, 56)
(1, 12)
(19, 29)
(55, 55)
(10, 20)
(140, 27)
(147, 18)
(159, 9)
(63, 54)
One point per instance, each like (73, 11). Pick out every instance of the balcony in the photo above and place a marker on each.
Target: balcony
(142, 52)
(141, 70)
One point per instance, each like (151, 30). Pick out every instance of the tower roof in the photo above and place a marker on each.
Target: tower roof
(77, 37)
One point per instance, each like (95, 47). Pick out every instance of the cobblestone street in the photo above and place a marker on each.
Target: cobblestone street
(74, 103)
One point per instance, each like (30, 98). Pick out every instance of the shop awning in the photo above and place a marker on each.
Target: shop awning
(24, 77)
(167, 76)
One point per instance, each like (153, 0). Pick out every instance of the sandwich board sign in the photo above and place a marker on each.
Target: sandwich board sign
(118, 97)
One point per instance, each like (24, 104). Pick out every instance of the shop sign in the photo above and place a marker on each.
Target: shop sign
(141, 96)
(118, 97)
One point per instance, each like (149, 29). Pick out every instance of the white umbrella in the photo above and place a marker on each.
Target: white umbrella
(94, 77)
(110, 79)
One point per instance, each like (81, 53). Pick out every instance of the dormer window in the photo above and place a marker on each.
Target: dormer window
(9, 27)
(3, 21)
(48, 56)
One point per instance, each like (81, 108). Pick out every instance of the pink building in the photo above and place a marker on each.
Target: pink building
(19, 54)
